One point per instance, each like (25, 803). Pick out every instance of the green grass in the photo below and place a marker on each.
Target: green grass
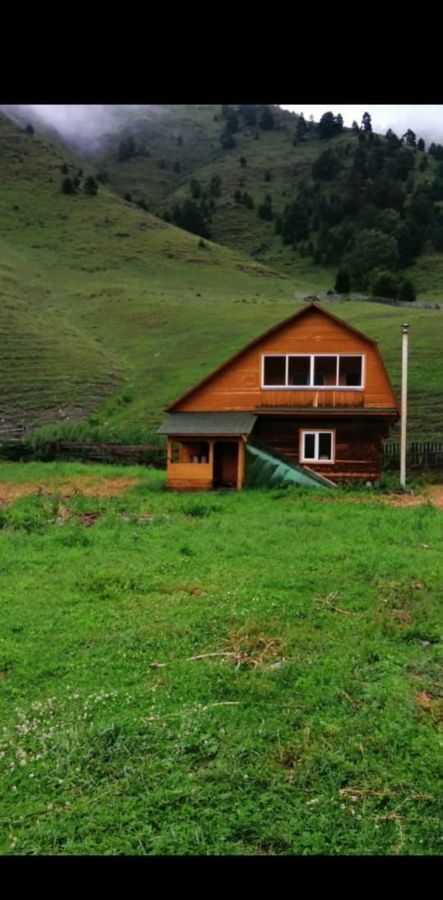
(114, 741)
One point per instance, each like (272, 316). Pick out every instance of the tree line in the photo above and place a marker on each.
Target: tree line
(371, 209)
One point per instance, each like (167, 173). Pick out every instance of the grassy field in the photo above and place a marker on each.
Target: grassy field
(251, 673)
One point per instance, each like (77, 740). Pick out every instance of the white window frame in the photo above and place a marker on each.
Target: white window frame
(315, 459)
(312, 386)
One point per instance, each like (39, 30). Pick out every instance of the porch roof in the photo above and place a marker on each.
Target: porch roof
(208, 423)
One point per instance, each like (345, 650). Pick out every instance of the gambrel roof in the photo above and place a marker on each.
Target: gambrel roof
(280, 326)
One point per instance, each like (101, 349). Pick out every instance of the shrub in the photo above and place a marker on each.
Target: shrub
(407, 291)
(68, 186)
(264, 211)
(90, 186)
(196, 189)
(386, 284)
(215, 186)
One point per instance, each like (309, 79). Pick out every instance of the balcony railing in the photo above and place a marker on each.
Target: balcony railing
(323, 399)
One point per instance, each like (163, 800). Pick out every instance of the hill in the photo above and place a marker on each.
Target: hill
(109, 312)
(296, 195)
(293, 194)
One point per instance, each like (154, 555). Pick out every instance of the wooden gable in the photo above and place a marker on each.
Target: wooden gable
(237, 384)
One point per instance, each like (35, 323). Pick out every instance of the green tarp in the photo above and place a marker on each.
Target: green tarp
(265, 468)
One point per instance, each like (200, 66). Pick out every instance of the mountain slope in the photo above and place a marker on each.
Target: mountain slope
(82, 280)
(108, 313)
(177, 152)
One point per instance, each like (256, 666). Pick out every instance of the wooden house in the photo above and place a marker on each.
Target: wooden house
(311, 392)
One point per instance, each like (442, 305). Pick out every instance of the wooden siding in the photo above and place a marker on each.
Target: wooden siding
(189, 476)
(238, 387)
(358, 444)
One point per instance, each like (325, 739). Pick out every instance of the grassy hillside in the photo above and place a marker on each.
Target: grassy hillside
(164, 690)
(110, 313)
(177, 146)
(83, 283)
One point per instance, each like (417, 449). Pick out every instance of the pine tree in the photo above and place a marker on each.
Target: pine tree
(342, 282)
(266, 120)
(366, 122)
(301, 127)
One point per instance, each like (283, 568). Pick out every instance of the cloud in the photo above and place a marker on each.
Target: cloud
(425, 120)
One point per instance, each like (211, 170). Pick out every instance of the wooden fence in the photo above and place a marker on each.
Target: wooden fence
(143, 454)
(419, 454)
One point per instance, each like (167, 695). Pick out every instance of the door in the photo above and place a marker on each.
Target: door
(225, 463)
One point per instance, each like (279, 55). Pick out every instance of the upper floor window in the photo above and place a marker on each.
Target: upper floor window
(326, 370)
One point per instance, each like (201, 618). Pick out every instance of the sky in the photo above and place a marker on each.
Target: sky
(425, 120)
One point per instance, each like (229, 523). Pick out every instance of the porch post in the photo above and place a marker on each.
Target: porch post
(169, 451)
(404, 403)
(241, 464)
(211, 460)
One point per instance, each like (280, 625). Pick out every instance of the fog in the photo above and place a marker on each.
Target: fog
(83, 126)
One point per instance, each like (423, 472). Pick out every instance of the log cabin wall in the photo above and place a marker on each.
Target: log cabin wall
(238, 386)
(358, 443)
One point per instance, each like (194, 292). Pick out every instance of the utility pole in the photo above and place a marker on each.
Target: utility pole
(404, 402)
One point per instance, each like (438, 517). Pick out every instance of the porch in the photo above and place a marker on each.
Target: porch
(205, 464)
(206, 450)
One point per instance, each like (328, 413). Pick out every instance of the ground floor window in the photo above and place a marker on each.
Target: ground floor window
(317, 446)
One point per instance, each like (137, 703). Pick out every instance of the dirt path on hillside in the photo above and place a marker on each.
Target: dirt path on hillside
(89, 485)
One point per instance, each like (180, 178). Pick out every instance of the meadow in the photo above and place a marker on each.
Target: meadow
(246, 674)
